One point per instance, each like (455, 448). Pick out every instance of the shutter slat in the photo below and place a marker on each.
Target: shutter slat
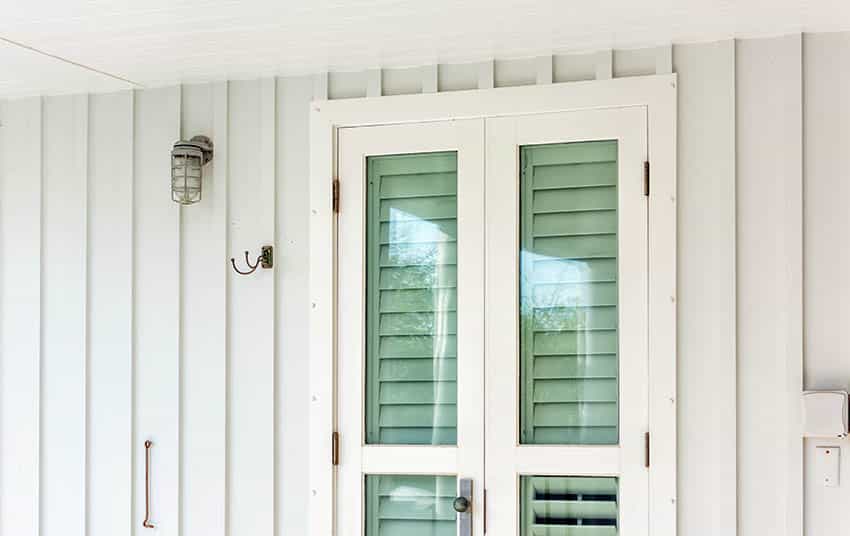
(572, 366)
(422, 395)
(418, 277)
(571, 318)
(546, 270)
(591, 199)
(418, 254)
(418, 347)
(417, 369)
(579, 175)
(603, 245)
(577, 509)
(603, 415)
(418, 323)
(560, 154)
(580, 390)
(418, 209)
(575, 223)
(585, 530)
(550, 343)
(414, 184)
(418, 300)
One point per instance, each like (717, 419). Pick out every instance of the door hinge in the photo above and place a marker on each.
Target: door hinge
(646, 450)
(335, 448)
(485, 510)
(646, 178)
(335, 195)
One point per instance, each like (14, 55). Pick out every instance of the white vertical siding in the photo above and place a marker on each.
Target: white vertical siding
(110, 321)
(135, 327)
(826, 92)
(706, 262)
(292, 305)
(251, 427)
(769, 259)
(64, 364)
(204, 322)
(20, 324)
(157, 307)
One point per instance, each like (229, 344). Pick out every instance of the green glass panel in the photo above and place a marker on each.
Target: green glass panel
(568, 294)
(568, 506)
(410, 505)
(411, 299)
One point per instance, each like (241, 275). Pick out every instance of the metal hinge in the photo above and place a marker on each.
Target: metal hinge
(485, 510)
(646, 447)
(335, 448)
(336, 195)
(646, 178)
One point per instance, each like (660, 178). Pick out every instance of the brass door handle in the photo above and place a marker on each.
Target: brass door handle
(147, 522)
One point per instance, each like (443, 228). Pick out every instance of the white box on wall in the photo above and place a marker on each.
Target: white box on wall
(825, 413)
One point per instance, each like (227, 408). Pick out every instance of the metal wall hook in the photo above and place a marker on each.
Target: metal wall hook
(147, 522)
(264, 260)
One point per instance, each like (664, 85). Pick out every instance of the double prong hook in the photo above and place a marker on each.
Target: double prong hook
(264, 260)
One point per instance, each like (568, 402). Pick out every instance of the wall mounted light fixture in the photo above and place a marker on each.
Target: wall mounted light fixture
(188, 158)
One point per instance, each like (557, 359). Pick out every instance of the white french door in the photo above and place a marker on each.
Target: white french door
(566, 302)
(532, 226)
(411, 331)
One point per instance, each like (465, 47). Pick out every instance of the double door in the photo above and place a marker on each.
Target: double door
(492, 370)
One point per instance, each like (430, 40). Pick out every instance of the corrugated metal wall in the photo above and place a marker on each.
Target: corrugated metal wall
(133, 326)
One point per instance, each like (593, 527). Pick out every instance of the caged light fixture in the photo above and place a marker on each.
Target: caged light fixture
(187, 168)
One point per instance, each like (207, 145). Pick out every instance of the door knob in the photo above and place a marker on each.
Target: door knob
(461, 504)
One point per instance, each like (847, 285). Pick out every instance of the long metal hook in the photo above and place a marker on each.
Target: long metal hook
(147, 522)
(253, 267)
(264, 260)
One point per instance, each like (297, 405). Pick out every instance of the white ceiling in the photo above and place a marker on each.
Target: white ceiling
(155, 42)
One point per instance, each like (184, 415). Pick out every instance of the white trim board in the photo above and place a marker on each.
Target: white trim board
(657, 93)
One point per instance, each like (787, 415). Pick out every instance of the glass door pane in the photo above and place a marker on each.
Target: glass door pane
(410, 505)
(411, 299)
(568, 293)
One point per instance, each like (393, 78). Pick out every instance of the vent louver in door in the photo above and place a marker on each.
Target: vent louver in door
(411, 299)
(569, 506)
(568, 293)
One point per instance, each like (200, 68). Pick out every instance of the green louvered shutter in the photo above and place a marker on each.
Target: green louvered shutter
(568, 506)
(410, 505)
(411, 299)
(568, 291)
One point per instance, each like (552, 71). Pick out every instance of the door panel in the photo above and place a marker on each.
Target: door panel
(566, 320)
(410, 362)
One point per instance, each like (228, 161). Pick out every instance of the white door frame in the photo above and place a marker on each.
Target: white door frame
(658, 94)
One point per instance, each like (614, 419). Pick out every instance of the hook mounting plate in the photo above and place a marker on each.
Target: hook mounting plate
(267, 257)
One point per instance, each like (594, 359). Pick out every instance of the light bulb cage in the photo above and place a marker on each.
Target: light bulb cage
(188, 158)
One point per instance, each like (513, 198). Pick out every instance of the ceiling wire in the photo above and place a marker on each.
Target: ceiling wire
(70, 62)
